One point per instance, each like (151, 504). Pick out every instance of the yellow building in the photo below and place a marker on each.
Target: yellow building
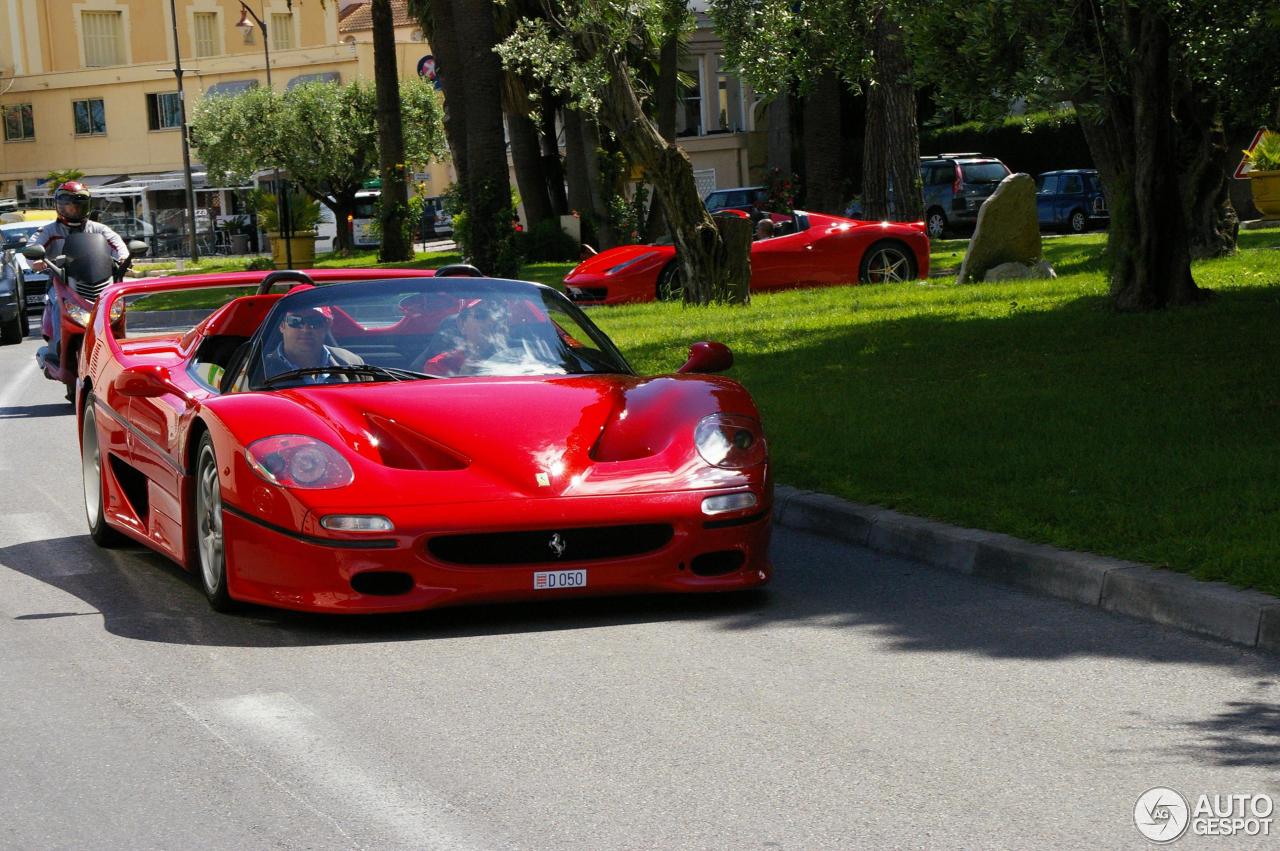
(90, 84)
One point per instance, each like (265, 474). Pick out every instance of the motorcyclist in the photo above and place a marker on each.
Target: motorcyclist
(71, 201)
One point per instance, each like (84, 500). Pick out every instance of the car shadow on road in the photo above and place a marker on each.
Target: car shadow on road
(143, 596)
(23, 412)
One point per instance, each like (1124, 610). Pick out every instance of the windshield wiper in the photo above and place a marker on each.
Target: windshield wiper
(372, 370)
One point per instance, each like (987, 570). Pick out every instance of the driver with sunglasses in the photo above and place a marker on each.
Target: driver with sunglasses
(303, 332)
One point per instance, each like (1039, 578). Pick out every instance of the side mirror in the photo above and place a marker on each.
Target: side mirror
(33, 252)
(146, 382)
(138, 248)
(708, 357)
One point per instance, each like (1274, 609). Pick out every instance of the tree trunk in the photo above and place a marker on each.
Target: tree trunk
(822, 146)
(779, 153)
(526, 156)
(489, 233)
(575, 163)
(393, 209)
(891, 146)
(552, 169)
(1133, 145)
(707, 271)
(1204, 177)
(442, 33)
(605, 232)
(667, 97)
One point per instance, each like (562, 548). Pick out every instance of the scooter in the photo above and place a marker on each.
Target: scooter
(77, 277)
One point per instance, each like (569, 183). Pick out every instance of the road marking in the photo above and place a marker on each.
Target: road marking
(295, 737)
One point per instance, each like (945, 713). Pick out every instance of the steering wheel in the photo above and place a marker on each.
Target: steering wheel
(459, 270)
(283, 275)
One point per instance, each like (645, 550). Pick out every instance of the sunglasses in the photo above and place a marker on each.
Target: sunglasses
(309, 321)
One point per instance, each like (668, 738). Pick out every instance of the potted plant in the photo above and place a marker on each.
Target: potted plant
(1264, 174)
(304, 215)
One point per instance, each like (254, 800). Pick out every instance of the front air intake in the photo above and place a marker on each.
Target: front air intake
(717, 563)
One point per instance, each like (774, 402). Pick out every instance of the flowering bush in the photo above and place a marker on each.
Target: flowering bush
(780, 190)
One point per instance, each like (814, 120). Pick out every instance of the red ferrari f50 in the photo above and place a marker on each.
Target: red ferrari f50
(808, 250)
(378, 441)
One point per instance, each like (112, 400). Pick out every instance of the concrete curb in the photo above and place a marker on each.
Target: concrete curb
(1248, 618)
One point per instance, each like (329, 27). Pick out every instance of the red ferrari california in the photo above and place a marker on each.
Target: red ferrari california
(806, 250)
(391, 440)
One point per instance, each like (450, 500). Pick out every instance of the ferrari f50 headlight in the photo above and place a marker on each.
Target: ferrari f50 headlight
(298, 461)
(730, 440)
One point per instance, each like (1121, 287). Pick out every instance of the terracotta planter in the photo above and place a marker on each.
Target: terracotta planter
(1266, 192)
(302, 246)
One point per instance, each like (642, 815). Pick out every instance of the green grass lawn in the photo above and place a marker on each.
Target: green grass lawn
(1030, 408)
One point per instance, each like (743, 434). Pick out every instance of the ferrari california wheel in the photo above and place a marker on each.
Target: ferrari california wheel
(887, 262)
(670, 283)
(91, 469)
(936, 221)
(209, 540)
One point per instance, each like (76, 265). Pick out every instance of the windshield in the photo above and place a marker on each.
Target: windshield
(409, 329)
(16, 237)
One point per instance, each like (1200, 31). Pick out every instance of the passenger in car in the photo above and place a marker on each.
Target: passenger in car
(764, 229)
(303, 336)
(482, 332)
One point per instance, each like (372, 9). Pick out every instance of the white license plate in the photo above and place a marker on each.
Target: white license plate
(35, 299)
(547, 580)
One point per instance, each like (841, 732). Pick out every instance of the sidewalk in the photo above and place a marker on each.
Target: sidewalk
(1248, 618)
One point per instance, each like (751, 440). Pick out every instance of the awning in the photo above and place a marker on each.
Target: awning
(230, 87)
(326, 77)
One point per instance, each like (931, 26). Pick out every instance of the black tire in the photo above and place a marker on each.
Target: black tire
(22, 307)
(935, 222)
(211, 557)
(94, 480)
(670, 285)
(1078, 222)
(887, 262)
(11, 331)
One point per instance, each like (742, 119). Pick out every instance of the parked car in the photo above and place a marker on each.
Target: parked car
(808, 249)
(22, 285)
(744, 198)
(1071, 200)
(394, 479)
(955, 185)
(129, 227)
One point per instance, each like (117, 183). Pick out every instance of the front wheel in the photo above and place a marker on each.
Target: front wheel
(670, 283)
(94, 481)
(887, 262)
(1078, 223)
(209, 538)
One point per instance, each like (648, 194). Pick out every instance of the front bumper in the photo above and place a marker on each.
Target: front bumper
(302, 571)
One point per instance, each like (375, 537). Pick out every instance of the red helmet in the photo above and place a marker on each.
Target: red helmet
(71, 200)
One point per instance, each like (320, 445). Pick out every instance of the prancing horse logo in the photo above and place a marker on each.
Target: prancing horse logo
(557, 544)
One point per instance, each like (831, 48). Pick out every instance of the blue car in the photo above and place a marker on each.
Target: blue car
(1071, 200)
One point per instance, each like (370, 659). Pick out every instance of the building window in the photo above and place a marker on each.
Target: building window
(206, 27)
(281, 32)
(689, 109)
(18, 123)
(164, 110)
(103, 39)
(729, 117)
(91, 117)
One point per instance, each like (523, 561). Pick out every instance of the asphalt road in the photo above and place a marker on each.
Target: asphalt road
(861, 702)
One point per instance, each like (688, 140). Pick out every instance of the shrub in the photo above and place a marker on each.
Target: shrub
(545, 242)
(259, 264)
(1265, 156)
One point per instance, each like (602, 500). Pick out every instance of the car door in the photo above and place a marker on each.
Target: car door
(1047, 201)
(782, 261)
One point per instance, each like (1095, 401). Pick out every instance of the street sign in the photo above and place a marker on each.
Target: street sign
(1242, 170)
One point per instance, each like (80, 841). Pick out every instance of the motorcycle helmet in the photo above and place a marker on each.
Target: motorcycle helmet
(71, 200)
